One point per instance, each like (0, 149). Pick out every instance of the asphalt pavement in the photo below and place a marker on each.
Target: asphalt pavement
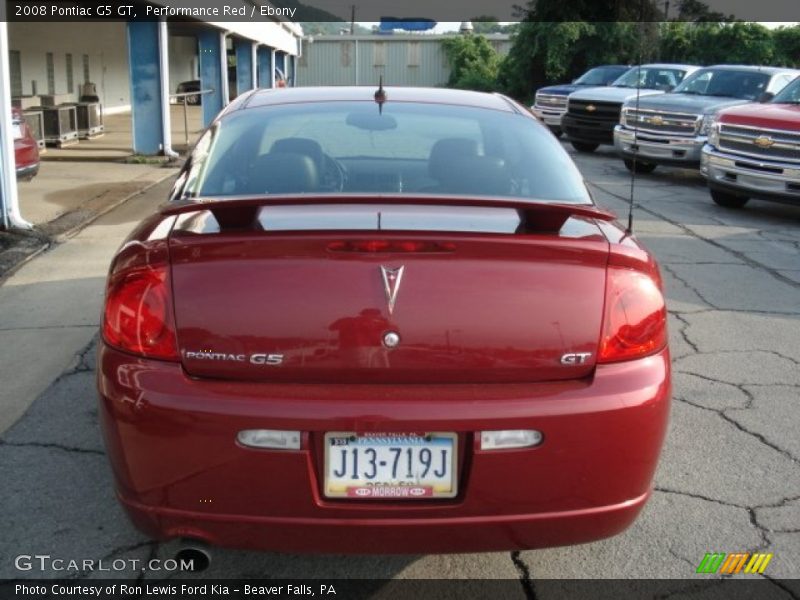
(728, 481)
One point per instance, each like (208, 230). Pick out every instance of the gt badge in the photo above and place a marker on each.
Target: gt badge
(575, 358)
(391, 284)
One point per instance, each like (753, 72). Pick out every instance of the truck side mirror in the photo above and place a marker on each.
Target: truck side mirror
(766, 97)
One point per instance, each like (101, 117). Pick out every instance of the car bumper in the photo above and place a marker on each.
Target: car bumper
(549, 116)
(751, 177)
(678, 151)
(179, 472)
(28, 171)
(591, 131)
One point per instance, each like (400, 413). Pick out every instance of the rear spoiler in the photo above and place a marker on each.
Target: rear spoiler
(242, 213)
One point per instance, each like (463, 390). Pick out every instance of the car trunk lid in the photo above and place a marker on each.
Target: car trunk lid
(380, 306)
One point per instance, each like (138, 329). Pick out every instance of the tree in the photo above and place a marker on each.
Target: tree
(787, 46)
(734, 43)
(547, 52)
(486, 24)
(696, 11)
(473, 62)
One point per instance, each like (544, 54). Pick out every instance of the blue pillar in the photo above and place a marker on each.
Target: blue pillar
(264, 67)
(145, 79)
(244, 66)
(210, 51)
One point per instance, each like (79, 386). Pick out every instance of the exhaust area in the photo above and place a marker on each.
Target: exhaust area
(194, 553)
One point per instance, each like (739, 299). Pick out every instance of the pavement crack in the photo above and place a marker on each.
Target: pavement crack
(85, 573)
(762, 531)
(723, 413)
(701, 586)
(681, 558)
(665, 490)
(52, 446)
(780, 584)
(685, 335)
(524, 575)
(688, 286)
(150, 558)
(742, 387)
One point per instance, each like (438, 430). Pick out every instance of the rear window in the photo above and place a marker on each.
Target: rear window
(790, 94)
(407, 148)
(601, 75)
(653, 78)
(747, 85)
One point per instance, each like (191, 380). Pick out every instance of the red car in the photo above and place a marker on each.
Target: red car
(382, 322)
(26, 150)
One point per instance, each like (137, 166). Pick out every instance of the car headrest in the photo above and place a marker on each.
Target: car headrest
(284, 173)
(445, 151)
(298, 145)
(476, 175)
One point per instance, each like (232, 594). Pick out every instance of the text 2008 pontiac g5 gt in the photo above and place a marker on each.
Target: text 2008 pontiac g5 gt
(387, 321)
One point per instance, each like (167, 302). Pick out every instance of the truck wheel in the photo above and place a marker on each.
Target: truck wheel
(728, 200)
(641, 167)
(584, 146)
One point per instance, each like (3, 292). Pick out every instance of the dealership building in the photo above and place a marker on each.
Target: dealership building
(132, 67)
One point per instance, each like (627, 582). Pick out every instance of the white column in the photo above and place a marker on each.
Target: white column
(8, 166)
(223, 51)
(166, 121)
(254, 64)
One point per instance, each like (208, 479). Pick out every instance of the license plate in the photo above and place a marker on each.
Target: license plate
(407, 466)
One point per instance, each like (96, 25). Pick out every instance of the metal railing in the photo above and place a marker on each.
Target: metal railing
(183, 97)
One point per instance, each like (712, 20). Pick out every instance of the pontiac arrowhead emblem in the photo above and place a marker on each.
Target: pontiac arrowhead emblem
(591, 107)
(391, 284)
(763, 141)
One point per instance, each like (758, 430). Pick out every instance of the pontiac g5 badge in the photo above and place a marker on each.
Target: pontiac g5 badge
(391, 284)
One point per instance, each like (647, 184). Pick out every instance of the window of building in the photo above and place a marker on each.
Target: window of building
(70, 74)
(15, 67)
(51, 74)
(413, 54)
(379, 54)
(344, 52)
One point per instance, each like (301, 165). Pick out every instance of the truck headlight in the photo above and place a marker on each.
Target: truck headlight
(713, 134)
(706, 124)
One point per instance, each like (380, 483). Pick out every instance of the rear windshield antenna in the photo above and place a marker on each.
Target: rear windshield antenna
(380, 96)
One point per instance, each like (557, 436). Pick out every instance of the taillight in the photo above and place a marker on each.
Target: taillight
(138, 313)
(635, 319)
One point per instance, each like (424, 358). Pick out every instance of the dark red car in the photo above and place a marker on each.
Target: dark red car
(386, 322)
(26, 150)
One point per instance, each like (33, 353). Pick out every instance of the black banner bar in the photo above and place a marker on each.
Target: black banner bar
(701, 587)
(409, 10)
